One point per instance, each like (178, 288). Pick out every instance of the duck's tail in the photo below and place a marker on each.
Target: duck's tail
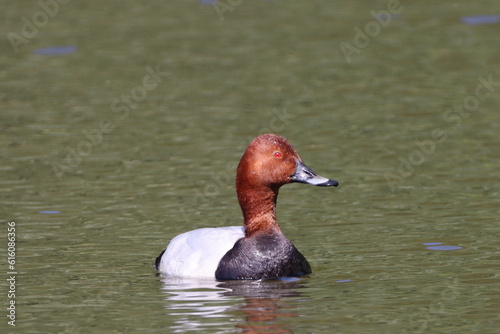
(158, 260)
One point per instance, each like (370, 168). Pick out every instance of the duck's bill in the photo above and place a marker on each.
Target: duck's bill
(304, 174)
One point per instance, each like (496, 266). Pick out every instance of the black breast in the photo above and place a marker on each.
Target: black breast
(262, 256)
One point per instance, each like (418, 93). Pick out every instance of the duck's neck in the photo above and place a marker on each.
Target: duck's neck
(258, 205)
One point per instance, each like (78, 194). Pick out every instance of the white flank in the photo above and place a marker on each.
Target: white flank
(196, 254)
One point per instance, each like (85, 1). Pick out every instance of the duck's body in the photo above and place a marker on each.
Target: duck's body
(197, 253)
(259, 250)
(268, 255)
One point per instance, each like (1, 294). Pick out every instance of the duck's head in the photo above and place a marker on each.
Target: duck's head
(271, 161)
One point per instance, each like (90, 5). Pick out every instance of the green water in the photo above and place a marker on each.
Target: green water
(133, 138)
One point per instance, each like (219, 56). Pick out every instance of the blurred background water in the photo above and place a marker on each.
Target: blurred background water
(121, 124)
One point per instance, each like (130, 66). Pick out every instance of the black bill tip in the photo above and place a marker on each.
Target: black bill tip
(304, 174)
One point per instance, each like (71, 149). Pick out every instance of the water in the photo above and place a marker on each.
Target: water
(125, 129)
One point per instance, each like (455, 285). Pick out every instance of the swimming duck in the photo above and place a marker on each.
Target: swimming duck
(259, 249)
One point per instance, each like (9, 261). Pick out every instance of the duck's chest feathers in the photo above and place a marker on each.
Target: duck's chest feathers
(262, 256)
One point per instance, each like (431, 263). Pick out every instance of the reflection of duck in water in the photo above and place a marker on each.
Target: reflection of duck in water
(250, 306)
(264, 308)
(263, 315)
(259, 250)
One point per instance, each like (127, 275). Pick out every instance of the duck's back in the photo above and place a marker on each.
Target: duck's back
(197, 253)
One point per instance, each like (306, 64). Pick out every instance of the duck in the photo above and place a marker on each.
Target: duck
(258, 250)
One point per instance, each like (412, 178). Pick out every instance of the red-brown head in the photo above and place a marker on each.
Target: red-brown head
(271, 161)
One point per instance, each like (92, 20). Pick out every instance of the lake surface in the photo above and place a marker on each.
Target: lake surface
(121, 124)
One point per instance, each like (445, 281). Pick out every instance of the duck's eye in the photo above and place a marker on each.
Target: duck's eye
(278, 155)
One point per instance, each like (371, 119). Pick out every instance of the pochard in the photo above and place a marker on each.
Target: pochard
(259, 249)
